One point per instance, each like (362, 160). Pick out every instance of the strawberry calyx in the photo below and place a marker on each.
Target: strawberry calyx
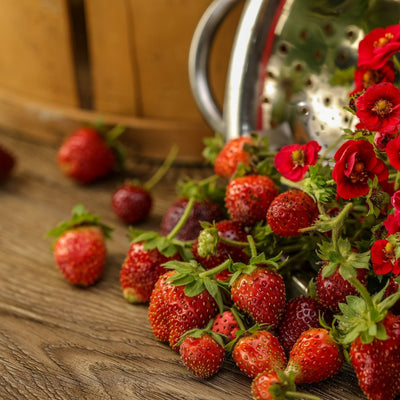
(363, 316)
(243, 331)
(343, 258)
(205, 189)
(198, 333)
(80, 217)
(286, 388)
(167, 245)
(111, 136)
(196, 279)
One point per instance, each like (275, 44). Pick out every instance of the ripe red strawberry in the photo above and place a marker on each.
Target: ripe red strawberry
(291, 211)
(262, 383)
(255, 352)
(203, 354)
(377, 363)
(334, 289)
(80, 249)
(172, 311)
(261, 295)
(132, 203)
(140, 271)
(231, 231)
(86, 156)
(7, 163)
(231, 155)
(301, 314)
(159, 308)
(314, 357)
(248, 198)
(226, 324)
(202, 211)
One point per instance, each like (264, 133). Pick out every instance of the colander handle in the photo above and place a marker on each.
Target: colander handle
(199, 61)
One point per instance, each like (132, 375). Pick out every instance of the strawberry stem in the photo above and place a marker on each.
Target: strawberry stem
(163, 169)
(215, 270)
(253, 248)
(183, 219)
(297, 395)
(238, 319)
(363, 292)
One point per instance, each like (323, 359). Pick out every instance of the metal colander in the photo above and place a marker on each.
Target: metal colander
(291, 67)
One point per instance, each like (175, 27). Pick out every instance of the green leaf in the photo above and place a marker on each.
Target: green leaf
(329, 269)
(194, 288)
(211, 286)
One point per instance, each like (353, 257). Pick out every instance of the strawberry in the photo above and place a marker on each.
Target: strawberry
(158, 310)
(301, 314)
(132, 202)
(202, 352)
(231, 232)
(202, 211)
(332, 285)
(254, 352)
(140, 271)
(291, 211)
(87, 155)
(176, 307)
(373, 334)
(262, 383)
(275, 385)
(80, 249)
(333, 290)
(377, 363)
(260, 294)
(231, 155)
(248, 198)
(7, 163)
(314, 357)
(226, 324)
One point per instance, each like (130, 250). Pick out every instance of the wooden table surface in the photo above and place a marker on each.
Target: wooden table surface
(58, 341)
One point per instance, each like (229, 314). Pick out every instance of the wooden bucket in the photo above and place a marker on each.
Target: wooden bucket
(68, 62)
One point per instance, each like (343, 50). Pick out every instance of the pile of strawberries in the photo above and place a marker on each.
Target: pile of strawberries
(217, 276)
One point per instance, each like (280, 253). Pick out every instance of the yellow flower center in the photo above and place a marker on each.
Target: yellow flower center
(371, 77)
(384, 40)
(298, 157)
(382, 107)
(389, 251)
(359, 174)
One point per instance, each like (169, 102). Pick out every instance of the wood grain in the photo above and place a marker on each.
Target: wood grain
(62, 342)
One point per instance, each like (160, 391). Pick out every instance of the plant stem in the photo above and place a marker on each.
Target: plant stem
(163, 169)
(397, 181)
(238, 319)
(297, 395)
(252, 245)
(338, 223)
(183, 219)
(363, 292)
(215, 270)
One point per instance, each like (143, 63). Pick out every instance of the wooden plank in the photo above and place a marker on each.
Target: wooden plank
(150, 138)
(162, 32)
(37, 60)
(112, 60)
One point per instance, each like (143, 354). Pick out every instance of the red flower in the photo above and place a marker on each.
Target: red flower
(393, 152)
(383, 258)
(378, 46)
(356, 164)
(392, 223)
(381, 140)
(364, 77)
(395, 200)
(293, 160)
(379, 108)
